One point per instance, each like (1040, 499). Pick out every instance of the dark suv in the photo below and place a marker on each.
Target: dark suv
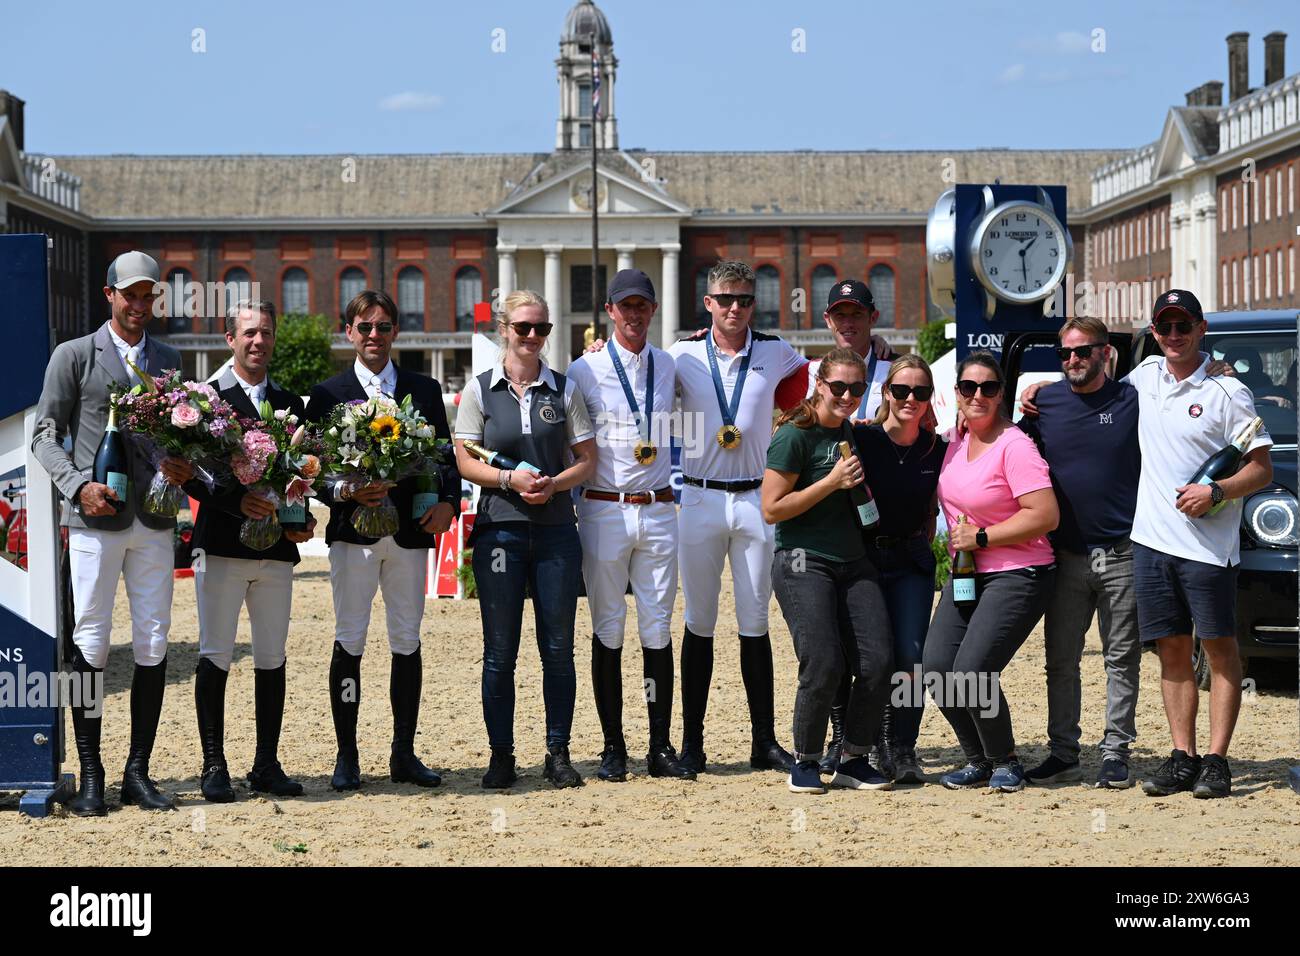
(1262, 348)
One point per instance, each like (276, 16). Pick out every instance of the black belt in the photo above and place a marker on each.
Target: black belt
(884, 542)
(732, 486)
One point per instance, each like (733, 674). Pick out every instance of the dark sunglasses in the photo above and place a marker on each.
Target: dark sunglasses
(1079, 351)
(987, 389)
(900, 392)
(364, 328)
(856, 389)
(725, 299)
(524, 329)
(1184, 327)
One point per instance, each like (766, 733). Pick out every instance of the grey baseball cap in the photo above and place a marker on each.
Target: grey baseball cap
(132, 267)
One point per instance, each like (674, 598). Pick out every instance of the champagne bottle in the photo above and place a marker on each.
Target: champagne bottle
(112, 467)
(426, 495)
(498, 460)
(1224, 462)
(964, 593)
(863, 504)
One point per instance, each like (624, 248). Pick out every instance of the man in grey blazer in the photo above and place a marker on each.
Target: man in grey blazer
(108, 537)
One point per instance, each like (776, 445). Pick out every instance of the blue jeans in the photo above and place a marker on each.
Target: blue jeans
(548, 560)
(907, 579)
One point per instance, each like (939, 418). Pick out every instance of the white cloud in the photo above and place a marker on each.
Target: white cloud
(1065, 42)
(410, 101)
(1012, 74)
(1072, 42)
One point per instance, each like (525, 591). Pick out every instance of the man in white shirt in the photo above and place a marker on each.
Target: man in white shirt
(1184, 558)
(727, 376)
(628, 522)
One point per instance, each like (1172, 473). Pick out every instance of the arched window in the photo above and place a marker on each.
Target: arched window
(352, 282)
(767, 298)
(178, 321)
(293, 292)
(823, 279)
(469, 292)
(702, 318)
(881, 282)
(410, 300)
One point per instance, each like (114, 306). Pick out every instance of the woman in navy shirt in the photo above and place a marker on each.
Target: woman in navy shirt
(901, 460)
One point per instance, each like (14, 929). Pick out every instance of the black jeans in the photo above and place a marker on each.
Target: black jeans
(966, 650)
(822, 600)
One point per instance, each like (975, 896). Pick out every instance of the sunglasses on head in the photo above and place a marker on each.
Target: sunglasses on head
(725, 299)
(1184, 326)
(900, 391)
(524, 329)
(365, 328)
(968, 388)
(1079, 351)
(856, 389)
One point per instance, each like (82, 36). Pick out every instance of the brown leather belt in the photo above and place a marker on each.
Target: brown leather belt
(630, 497)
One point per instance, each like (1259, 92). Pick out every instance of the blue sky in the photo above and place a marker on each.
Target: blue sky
(415, 77)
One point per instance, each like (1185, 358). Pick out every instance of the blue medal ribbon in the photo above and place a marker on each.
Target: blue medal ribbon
(642, 420)
(728, 412)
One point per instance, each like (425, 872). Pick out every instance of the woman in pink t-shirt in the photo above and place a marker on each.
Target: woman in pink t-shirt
(996, 478)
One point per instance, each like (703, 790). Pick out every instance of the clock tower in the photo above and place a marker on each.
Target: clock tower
(584, 26)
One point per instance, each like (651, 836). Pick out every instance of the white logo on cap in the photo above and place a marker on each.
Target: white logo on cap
(1172, 297)
(845, 289)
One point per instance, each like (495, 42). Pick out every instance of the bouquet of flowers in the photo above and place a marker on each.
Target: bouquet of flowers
(279, 459)
(380, 440)
(178, 418)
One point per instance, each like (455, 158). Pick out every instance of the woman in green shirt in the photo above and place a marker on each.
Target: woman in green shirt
(828, 589)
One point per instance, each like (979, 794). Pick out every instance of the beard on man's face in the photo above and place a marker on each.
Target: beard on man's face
(1084, 375)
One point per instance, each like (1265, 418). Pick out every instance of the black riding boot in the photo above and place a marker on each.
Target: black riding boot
(210, 704)
(89, 801)
(147, 686)
(404, 682)
(657, 670)
(838, 708)
(267, 776)
(697, 675)
(607, 681)
(345, 703)
(756, 671)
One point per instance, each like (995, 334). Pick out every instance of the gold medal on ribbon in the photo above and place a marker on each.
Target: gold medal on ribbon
(729, 437)
(645, 453)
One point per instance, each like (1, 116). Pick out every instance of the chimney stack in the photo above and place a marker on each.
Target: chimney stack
(12, 107)
(1238, 66)
(1274, 57)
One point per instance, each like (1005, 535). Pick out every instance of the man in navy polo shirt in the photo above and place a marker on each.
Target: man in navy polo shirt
(1087, 431)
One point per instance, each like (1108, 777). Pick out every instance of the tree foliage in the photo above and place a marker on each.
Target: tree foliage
(302, 352)
(931, 341)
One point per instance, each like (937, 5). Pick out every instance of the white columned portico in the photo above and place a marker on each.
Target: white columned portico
(554, 293)
(201, 372)
(505, 269)
(624, 256)
(668, 309)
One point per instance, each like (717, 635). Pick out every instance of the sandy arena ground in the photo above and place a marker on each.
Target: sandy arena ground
(731, 816)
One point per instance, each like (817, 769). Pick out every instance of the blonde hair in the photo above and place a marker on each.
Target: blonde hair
(804, 415)
(513, 302)
(1088, 325)
(910, 360)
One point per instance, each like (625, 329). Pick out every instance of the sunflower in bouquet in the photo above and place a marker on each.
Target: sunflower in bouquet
(278, 458)
(381, 440)
(170, 416)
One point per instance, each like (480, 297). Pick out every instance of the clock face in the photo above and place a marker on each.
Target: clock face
(1020, 252)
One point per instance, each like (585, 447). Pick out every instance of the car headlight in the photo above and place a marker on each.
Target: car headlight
(1272, 519)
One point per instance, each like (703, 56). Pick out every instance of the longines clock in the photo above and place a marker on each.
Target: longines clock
(1019, 252)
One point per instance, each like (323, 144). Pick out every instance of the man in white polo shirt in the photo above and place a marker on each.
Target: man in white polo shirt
(727, 376)
(628, 521)
(1185, 559)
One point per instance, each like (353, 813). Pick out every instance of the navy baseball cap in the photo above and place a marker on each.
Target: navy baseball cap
(1179, 299)
(850, 290)
(631, 282)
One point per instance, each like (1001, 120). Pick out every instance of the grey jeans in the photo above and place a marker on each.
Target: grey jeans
(1100, 581)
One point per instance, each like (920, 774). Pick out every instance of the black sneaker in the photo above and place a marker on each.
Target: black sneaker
(613, 764)
(1114, 775)
(501, 771)
(1177, 773)
(1054, 770)
(1215, 779)
(559, 770)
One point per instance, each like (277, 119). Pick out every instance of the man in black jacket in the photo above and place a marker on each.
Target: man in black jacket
(229, 574)
(360, 565)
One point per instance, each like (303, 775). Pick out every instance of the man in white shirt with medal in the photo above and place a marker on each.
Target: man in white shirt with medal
(627, 521)
(727, 377)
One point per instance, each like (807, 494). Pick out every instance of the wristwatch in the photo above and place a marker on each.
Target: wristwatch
(345, 491)
(982, 538)
(1216, 493)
